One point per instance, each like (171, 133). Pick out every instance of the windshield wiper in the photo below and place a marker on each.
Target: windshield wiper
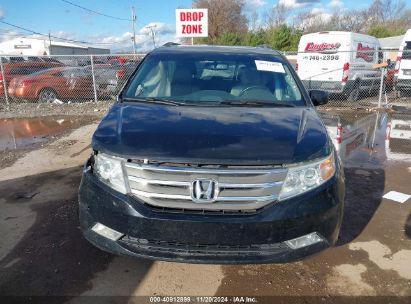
(163, 101)
(154, 100)
(256, 103)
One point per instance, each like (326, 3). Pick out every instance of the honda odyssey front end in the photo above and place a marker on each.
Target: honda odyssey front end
(213, 155)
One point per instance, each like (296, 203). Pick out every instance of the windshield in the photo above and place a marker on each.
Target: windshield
(214, 78)
(406, 54)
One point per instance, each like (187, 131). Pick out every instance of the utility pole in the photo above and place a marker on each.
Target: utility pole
(153, 34)
(49, 43)
(133, 24)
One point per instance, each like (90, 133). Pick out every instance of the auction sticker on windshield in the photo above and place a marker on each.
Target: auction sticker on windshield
(269, 66)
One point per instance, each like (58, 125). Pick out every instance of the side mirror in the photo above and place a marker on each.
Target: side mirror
(318, 97)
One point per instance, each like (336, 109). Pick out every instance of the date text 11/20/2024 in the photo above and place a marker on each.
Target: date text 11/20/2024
(203, 299)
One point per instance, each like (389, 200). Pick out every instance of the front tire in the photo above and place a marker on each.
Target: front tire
(403, 93)
(47, 96)
(355, 93)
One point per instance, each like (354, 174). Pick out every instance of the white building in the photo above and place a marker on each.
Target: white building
(29, 46)
(390, 46)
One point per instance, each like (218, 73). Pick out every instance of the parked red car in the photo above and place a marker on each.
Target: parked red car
(118, 61)
(51, 84)
(24, 67)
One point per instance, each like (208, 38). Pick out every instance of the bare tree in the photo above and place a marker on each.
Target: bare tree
(253, 20)
(278, 15)
(228, 21)
(310, 22)
(405, 20)
(350, 21)
(381, 11)
(389, 13)
(225, 16)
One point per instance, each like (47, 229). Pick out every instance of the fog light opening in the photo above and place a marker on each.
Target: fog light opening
(304, 241)
(106, 232)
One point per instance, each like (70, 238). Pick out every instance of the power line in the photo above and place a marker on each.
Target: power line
(38, 33)
(133, 19)
(95, 12)
(55, 37)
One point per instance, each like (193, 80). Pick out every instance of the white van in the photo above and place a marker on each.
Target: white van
(403, 65)
(398, 138)
(340, 63)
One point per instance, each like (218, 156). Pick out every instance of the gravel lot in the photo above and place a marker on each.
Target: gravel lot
(38, 110)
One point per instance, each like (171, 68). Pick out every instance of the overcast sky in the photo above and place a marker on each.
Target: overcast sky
(68, 21)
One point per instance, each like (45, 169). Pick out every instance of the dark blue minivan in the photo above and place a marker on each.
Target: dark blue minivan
(213, 154)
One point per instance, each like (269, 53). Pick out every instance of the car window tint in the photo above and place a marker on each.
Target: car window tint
(25, 70)
(68, 72)
(17, 71)
(406, 54)
(34, 58)
(215, 78)
(75, 72)
(16, 59)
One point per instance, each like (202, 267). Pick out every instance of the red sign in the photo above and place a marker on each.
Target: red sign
(365, 52)
(192, 22)
(322, 47)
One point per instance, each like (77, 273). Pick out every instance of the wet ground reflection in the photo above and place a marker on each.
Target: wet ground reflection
(369, 140)
(22, 133)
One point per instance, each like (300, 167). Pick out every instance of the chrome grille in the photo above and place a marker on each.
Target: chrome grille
(180, 248)
(240, 189)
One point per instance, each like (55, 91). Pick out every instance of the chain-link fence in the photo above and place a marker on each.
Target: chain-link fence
(353, 78)
(359, 81)
(362, 77)
(60, 79)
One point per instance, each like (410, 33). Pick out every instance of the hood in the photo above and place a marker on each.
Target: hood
(212, 135)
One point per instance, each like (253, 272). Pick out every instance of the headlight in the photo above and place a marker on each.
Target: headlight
(307, 176)
(110, 171)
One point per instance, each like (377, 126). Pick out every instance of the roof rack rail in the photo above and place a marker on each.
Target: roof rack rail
(269, 47)
(264, 46)
(171, 44)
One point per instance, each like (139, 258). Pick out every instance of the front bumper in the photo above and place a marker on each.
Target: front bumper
(23, 93)
(194, 238)
(403, 84)
(335, 87)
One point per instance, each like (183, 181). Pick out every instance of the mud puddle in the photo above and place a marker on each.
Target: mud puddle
(23, 133)
(370, 140)
(19, 135)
